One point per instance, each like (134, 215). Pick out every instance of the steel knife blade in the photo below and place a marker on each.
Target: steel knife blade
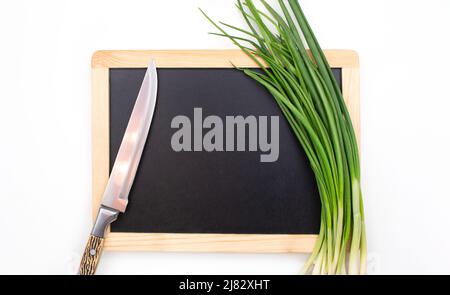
(115, 196)
(130, 151)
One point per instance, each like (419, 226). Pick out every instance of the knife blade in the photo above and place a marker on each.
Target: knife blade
(115, 196)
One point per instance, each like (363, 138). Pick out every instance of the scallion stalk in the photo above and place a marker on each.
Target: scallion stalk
(307, 93)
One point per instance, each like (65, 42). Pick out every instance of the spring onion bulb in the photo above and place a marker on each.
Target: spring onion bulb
(307, 93)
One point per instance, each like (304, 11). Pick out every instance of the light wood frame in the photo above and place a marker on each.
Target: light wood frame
(102, 61)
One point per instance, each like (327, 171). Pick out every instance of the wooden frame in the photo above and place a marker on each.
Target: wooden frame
(102, 61)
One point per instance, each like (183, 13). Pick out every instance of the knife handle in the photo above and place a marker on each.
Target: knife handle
(91, 255)
(94, 246)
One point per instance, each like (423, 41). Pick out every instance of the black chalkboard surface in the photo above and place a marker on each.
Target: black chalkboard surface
(211, 192)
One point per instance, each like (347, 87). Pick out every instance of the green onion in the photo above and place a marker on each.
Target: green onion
(307, 93)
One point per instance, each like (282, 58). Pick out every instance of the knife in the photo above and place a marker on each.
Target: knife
(115, 197)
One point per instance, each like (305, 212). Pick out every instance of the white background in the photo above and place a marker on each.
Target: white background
(45, 145)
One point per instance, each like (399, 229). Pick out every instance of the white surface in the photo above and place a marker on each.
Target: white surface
(45, 144)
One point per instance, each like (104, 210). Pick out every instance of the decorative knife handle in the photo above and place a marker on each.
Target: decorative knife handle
(94, 246)
(91, 255)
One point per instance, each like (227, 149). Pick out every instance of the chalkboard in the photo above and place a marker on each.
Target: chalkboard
(198, 200)
(211, 192)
